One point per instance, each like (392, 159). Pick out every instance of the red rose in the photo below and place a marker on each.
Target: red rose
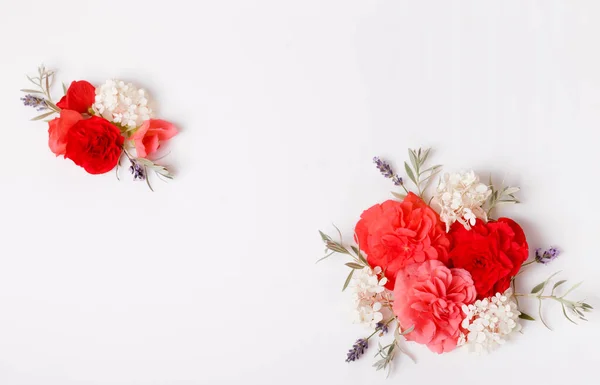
(396, 234)
(492, 252)
(80, 97)
(94, 144)
(58, 129)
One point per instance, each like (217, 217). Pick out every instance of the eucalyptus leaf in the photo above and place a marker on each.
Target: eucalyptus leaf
(43, 116)
(398, 195)
(571, 289)
(511, 190)
(425, 156)
(410, 174)
(557, 284)
(31, 91)
(353, 265)
(324, 236)
(526, 316)
(348, 280)
(566, 315)
(538, 287)
(413, 160)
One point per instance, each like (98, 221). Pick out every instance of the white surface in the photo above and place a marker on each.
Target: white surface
(212, 280)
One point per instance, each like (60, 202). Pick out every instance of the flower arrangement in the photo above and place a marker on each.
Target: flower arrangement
(441, 271)
(96, 127)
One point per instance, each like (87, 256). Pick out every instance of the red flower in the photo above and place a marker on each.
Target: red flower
(492, 252)
(80, 97)
(94, 144)
(396, 234)
(58, 129)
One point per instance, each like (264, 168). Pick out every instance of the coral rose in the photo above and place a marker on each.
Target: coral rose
(94, 144)
(58, 128)
(492, 252)
(430, 296)
(79, 97)
(396, 234)
(150, 135)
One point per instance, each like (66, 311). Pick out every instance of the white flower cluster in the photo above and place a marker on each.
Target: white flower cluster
(370, 296)
(122, 103)
(460, 197)
(489, 321)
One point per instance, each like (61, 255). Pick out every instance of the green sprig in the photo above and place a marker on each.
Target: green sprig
(503, 196)
(332, 247)
(420, 176)
(575, 308)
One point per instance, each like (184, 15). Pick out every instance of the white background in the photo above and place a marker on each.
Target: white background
(282, 105)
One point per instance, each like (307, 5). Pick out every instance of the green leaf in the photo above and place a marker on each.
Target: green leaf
(586, 306)
(538, 287)
(566, 315)
(348, 280)
(64, 88)
(324, 236)
(31, 91)
(43, 116)
(434, 168)
(410, 329)
(399, 196)
(410, 174)
(526, 317)
(333, 246)
(413, 160)
(353, 265)
(425, 155)
(325, 257)
(359, 255)
(541, 317)
(557, 284)
(571, 289)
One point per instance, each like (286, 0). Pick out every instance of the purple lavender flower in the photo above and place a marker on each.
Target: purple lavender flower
(35, 102)
(357, 350)
(137, 170)
(381, 326)
(386, 171)
(547, 256)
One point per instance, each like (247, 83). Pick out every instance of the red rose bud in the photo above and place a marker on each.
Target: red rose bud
(492, 252)
(94, 144)
(80, 97)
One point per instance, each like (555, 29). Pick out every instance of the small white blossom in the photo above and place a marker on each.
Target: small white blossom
(122, 103)
(460, 197)
(370, 296)
(488, 322)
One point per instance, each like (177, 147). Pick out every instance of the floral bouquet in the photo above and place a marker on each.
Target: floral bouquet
(441, 270)
(96, 126)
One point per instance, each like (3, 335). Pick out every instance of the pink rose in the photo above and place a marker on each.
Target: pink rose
(150, 135)
(429, 296)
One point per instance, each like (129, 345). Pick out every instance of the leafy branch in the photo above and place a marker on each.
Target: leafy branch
(576, 308)
(503, 196)
(331, 247)
(420, 176)
(43, 82)
(388, 352)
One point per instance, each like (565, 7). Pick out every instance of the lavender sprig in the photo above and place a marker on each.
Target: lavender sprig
(381, 326)
(386, 171)
(138, 171)
(547, 256)
(36, 102)
(357, 350)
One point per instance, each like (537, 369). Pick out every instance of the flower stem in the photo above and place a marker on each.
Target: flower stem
(378, 330)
